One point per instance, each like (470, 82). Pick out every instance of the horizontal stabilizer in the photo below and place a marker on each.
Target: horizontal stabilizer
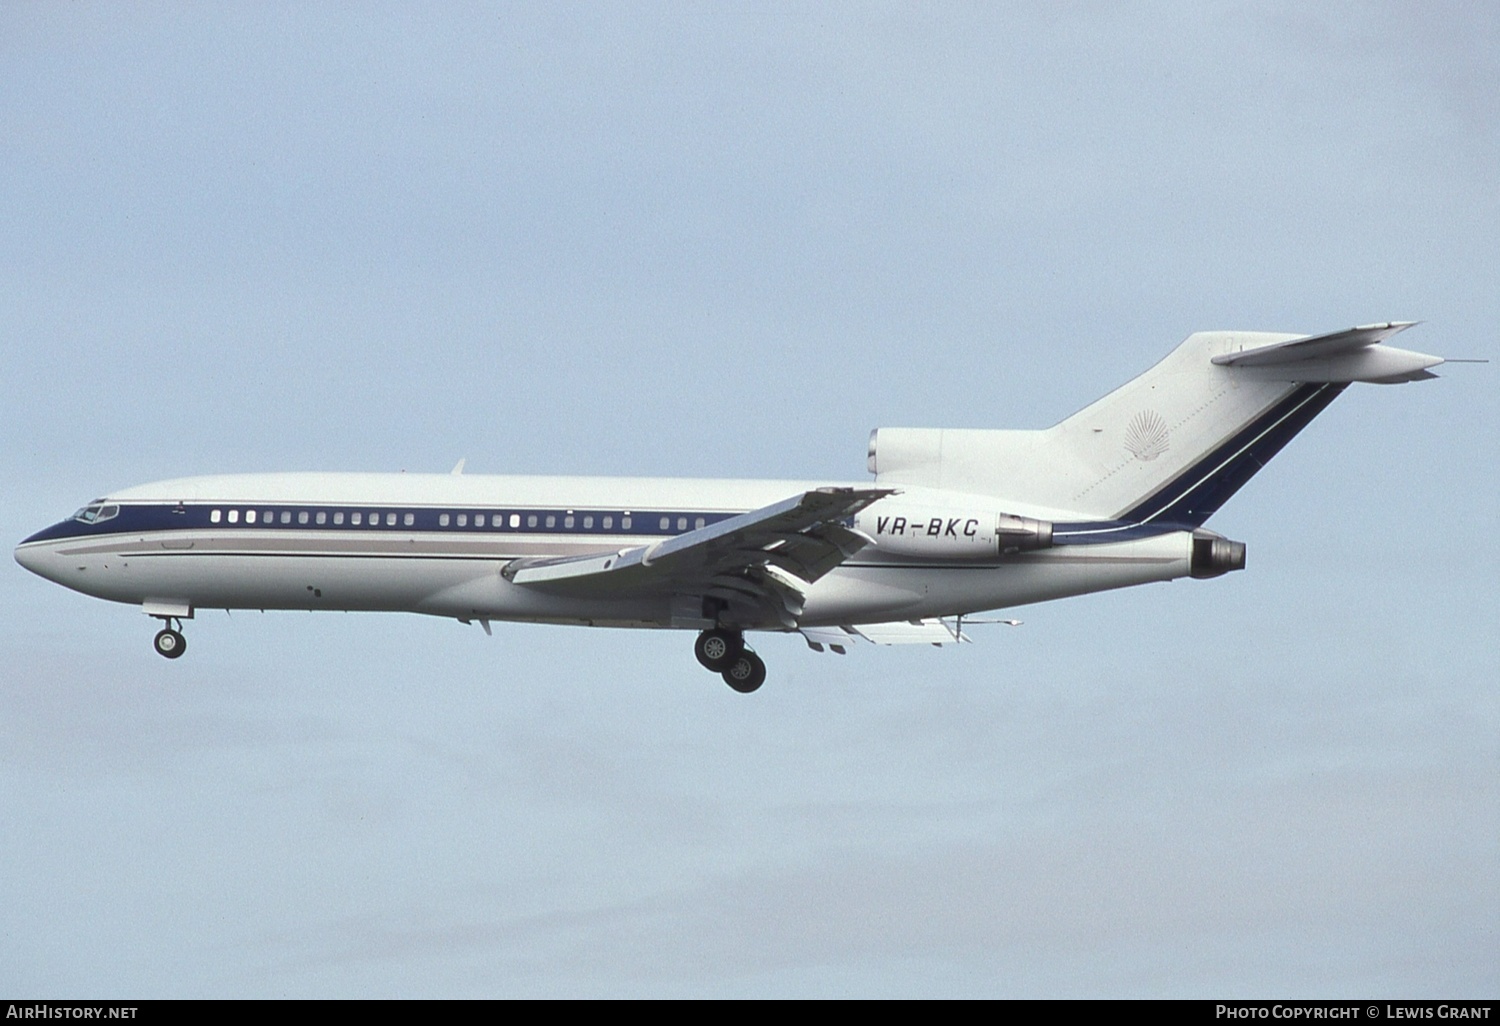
(1338, 358)
(1314, 347)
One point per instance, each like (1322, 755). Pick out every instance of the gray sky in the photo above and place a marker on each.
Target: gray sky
(708, 240)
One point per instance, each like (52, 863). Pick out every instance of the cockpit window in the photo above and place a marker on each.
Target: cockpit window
(97, 512)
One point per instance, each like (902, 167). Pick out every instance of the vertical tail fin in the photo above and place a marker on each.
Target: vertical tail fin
(1171, 445)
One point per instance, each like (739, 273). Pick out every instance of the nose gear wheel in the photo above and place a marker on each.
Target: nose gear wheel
(169, 643)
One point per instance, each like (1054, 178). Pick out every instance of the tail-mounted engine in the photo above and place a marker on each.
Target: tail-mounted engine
(1214, 554)
(935, 532)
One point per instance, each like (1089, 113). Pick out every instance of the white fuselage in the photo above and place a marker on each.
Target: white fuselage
(436, 544)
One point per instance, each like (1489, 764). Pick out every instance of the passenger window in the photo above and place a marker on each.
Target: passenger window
(682, 523)
(390, 520)
(374, 519)
(213, 518)
(698, 523)
(409, 519)
(463, 520)
(267, 517)
(356, 519)
(515, 520)
(568, 522)
(666, 523)
(531, 520)
(625, 523)
(443, 520)
(551, 520)
(249, 516)
(338, 518)
(234, 516)
(322, 517)
(302, 517)
(588, 523)
(286, 516)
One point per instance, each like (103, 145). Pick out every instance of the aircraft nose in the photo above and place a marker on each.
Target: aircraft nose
(29, 557)
(38, 558)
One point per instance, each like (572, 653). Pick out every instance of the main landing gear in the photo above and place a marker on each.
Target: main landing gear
(169, 641)
(724, 652)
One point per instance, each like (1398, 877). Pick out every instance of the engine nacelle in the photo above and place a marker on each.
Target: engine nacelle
(1215, 555)
(937, 532)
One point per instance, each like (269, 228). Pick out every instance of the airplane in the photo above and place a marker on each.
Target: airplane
(955, 522)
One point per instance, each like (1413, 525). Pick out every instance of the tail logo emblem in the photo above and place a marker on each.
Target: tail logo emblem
(1146, 437)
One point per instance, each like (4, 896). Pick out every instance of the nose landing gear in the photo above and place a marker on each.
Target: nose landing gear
(169, 641)
(723, 652)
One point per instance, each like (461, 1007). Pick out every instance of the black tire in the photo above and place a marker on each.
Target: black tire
(169, 643)
(746, 673)
(718, 649)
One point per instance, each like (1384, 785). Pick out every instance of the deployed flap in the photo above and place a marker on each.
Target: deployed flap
(911, 632)
(931, 631)
(765, 557)
(1314, 347)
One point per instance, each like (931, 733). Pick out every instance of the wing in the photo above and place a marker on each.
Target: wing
(757, 566)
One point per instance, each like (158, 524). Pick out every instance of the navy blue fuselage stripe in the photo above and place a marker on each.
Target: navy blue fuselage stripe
(156, 518)
(1098, 532)
(1183, 502)
(171, 516)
